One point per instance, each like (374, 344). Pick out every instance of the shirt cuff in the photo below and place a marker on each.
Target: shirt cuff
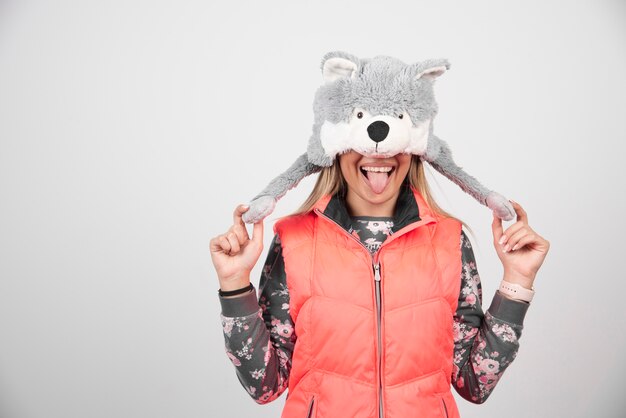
(508, 310)
(240, 306)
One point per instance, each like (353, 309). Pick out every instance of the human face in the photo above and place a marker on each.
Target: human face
(373, 182)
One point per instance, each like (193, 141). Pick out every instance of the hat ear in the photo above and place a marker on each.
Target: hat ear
(431, 69)
(339, 64)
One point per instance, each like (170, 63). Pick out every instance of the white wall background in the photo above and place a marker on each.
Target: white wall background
(129, 130)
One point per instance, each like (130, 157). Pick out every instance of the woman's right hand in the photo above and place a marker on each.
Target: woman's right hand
(234, 253)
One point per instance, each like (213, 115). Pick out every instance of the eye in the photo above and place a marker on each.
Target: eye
(401, 115)
(359, 115)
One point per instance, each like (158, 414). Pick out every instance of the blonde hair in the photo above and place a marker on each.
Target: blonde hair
(331, 181)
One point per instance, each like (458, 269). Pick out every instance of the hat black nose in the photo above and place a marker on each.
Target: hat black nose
(378, 130)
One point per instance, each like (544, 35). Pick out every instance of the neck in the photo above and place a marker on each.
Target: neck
(359, 207)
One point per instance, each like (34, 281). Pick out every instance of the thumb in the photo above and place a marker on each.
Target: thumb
(257, 233)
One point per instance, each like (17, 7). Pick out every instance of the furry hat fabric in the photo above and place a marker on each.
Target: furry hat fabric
(377, 107)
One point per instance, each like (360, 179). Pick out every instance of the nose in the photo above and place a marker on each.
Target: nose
(378, 130)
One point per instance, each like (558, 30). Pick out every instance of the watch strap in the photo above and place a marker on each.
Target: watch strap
(516, 291)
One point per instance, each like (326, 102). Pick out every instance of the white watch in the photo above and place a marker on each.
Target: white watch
(516, 291)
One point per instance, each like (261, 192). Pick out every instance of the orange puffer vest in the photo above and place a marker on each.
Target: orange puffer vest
(374, 334)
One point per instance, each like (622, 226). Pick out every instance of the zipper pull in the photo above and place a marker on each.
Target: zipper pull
(377, 272)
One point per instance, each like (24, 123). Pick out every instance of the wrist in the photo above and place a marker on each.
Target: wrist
(516, 291)
(516, 278)
(234, 284)
(246, 290)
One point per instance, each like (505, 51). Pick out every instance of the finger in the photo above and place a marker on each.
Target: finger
(223, 241)
(496, 227)
(515, 238)
(215, 246)
(257, 233)
(239, 210)
(521, 213)
(510, 231)
(524, 241)
(234, 243)
(241, 232)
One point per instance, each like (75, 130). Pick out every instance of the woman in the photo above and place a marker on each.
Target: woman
(370, 301)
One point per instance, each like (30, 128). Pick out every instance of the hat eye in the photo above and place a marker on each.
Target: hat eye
(359, 115)
(401, 115)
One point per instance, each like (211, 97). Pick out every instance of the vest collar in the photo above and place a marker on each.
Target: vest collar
(410, 208)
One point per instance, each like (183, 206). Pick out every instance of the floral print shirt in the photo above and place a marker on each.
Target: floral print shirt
(372, 231)
(260, 337)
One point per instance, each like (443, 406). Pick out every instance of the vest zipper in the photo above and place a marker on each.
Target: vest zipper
(309, 412)
(376, 266)
(445, 408)
(378, 328)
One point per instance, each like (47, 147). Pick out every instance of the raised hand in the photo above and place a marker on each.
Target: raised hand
(520, 249)
(234, 253)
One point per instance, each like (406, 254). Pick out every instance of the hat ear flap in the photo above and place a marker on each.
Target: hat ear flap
(339, 64)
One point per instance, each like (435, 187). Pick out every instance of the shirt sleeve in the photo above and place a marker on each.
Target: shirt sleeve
(485, 344)
(259, 336)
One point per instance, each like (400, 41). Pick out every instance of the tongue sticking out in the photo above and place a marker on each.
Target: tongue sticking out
(378, 181)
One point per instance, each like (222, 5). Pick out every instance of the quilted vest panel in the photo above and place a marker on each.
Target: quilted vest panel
(339, 369)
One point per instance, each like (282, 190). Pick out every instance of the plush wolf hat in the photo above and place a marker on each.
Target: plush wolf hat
(377, 107)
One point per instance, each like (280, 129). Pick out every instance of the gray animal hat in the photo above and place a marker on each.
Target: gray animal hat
(377, 107)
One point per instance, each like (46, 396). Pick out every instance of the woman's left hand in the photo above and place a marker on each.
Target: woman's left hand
(520, 249)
